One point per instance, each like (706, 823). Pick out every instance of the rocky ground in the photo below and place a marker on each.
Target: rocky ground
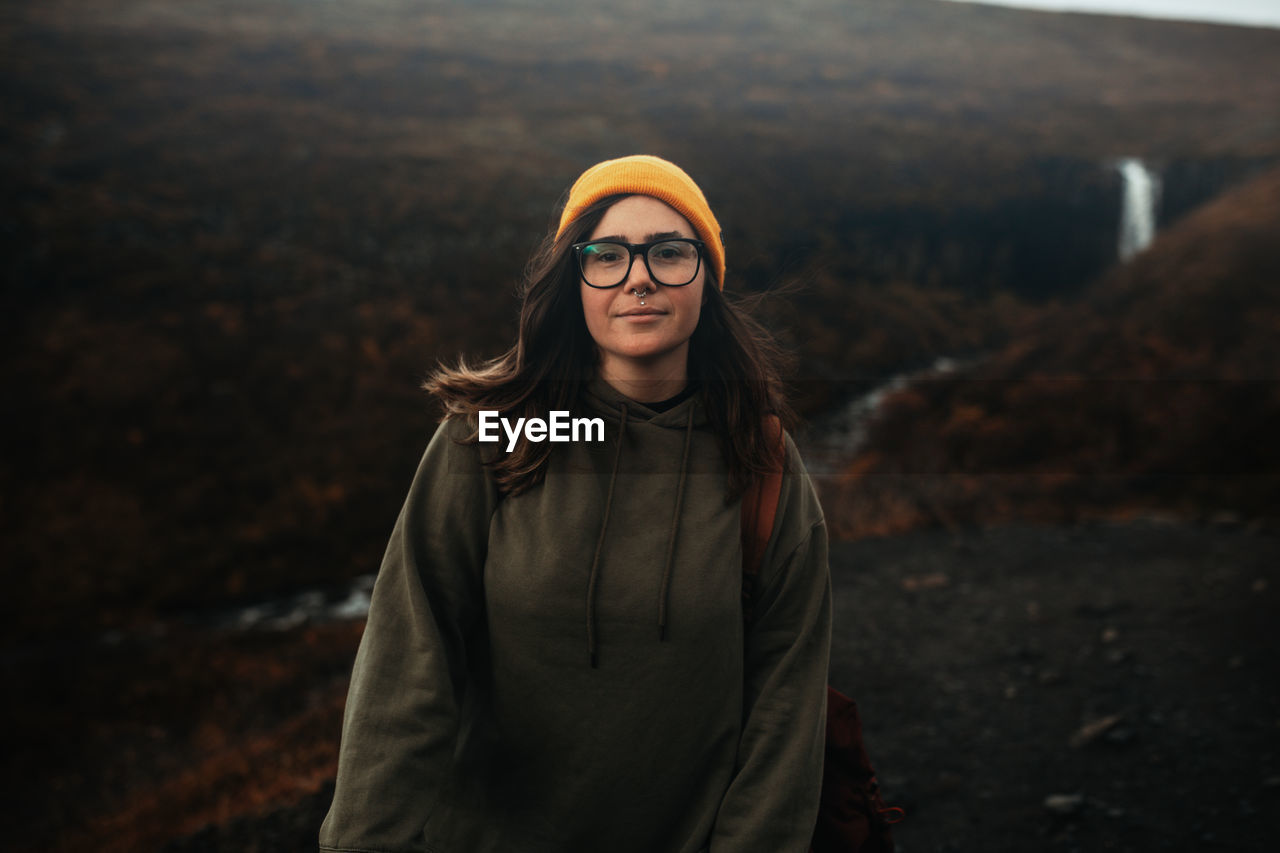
(1096, 687)
(1100, 687)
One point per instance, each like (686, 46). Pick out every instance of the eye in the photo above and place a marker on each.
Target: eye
(671, 252)
(603, 253)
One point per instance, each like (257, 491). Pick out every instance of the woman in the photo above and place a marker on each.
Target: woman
(556, 657)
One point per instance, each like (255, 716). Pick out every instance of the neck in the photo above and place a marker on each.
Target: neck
(647, 381)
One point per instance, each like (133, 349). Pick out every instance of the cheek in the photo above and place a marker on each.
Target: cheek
(694, 316)
(694, 303)
(595, 307)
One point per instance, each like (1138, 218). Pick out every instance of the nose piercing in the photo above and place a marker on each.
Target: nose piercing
(637, 292)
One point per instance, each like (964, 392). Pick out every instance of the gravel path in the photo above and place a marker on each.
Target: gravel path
(1102, 687)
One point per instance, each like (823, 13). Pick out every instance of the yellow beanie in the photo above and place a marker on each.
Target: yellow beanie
(642, 174)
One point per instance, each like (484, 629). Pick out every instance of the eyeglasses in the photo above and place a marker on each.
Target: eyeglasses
(673, 262)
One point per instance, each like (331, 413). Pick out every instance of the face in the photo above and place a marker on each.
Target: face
(653, 336)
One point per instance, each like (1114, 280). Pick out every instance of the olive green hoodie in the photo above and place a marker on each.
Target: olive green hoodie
(567, 669)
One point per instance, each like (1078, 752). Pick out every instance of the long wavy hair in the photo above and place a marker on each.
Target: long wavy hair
(735, 362)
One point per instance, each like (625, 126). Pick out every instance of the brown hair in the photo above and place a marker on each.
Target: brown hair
(732, 358)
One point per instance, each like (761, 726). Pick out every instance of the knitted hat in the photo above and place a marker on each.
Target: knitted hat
(642, 174)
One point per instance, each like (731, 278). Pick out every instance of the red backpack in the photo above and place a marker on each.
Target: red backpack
(852, 816)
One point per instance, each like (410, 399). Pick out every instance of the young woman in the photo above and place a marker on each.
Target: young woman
(556, 657)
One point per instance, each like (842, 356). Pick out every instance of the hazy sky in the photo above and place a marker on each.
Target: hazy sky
(1255, 12)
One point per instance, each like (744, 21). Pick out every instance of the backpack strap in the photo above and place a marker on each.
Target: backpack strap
(759, 508)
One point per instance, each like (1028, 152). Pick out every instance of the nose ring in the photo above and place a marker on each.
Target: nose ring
(637, 292)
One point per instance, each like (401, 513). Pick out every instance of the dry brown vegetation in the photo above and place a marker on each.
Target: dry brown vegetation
(236, 234)
(240, 233)
(129, 744)
(1159, 391)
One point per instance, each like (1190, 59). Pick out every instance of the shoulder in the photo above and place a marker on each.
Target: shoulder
(453, 449)
(456, 428)
(799, 515)
(453, 436)
(799, 498)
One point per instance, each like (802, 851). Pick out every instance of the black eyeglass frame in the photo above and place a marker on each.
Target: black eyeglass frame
(643, 250)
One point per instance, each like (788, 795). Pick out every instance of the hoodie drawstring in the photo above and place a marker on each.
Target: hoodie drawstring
(604, 527)
(594, 577)
(675, 525)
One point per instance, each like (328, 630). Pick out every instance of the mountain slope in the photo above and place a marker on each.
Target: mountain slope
(1159, 391)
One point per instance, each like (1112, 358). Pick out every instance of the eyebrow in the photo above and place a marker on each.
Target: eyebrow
(649, 238)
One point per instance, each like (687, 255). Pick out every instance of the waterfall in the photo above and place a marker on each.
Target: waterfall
(1138, 209)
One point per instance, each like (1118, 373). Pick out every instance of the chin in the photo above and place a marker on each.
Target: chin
(639, 350)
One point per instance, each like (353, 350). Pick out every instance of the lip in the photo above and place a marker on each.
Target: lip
(642, 312)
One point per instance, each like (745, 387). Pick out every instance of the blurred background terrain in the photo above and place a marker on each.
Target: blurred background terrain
(237, 235)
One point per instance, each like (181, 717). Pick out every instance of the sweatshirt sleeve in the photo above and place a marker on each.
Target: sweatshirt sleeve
(401, 720)
(772, 802)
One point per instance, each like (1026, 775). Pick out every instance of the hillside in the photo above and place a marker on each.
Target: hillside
(238, 234)
(1159, 391)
